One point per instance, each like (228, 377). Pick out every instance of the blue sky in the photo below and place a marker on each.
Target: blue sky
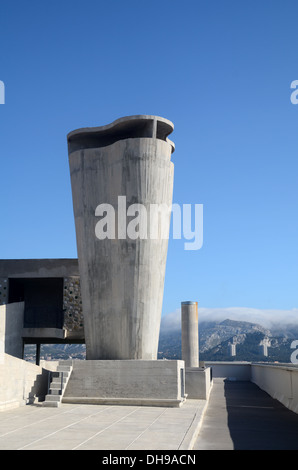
(220, 71)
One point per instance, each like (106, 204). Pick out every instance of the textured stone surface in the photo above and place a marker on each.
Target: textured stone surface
(3, 290)
(72, 304)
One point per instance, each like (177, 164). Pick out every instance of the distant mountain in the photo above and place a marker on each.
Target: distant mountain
(214, 333)
(248, 348)
(215, 339)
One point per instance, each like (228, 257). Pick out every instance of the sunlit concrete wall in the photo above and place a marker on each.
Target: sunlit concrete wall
(281, 382)
(21, 382)
(153, 383)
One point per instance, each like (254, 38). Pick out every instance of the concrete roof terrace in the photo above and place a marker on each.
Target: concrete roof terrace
(237, 416)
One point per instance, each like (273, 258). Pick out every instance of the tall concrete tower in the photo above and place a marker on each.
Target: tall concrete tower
(119, 171)
(190, 333)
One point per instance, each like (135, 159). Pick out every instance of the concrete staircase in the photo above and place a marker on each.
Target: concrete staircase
(57, 385)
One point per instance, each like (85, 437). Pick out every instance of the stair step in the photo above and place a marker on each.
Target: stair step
(55, 386)
(53, 397)
(59, 381)
(65, 362)
(63, 368)
(56, 392)
(53, 404)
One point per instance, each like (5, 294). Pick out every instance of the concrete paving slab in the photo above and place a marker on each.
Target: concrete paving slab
(101, 427)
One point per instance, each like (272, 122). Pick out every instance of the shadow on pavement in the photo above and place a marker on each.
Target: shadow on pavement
(256, 421)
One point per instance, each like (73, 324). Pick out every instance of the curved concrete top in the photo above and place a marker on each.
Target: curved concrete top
(123, 128)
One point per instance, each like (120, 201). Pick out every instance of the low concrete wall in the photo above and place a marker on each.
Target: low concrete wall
(230, 370)
(138, 382)
(280, 382)
(198, 382)
(21, 382)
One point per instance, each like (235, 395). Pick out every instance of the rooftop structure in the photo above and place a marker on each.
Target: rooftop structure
(120, 171)
(110, 298)
(44, 303)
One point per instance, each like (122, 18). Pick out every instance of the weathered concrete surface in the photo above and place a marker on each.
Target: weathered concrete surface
(190, 334)
(30, 268)
(104, 427)
(44, 333)
(198, 382)
(11, 327)
(130, 382)
(122, 279)
(20, 382)
(278, 380)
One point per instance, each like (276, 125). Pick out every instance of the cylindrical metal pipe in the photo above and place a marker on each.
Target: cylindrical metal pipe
(190, 333)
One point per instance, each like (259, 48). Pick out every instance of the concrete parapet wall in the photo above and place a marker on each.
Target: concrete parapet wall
(280, 382)
(126, 382)
(230, 370)
(21, 382)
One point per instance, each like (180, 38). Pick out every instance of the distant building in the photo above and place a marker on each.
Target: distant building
(232, 349)
(263, 347)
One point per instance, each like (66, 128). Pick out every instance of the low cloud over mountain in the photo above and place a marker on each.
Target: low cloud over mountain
(268, 318)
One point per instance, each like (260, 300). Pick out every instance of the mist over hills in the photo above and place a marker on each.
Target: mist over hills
(273, 319)
(215, 337)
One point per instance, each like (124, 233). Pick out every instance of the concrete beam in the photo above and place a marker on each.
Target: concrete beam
(35, 268)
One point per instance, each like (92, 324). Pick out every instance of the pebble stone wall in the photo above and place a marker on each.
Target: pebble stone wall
(3, 290)
(72, 304)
